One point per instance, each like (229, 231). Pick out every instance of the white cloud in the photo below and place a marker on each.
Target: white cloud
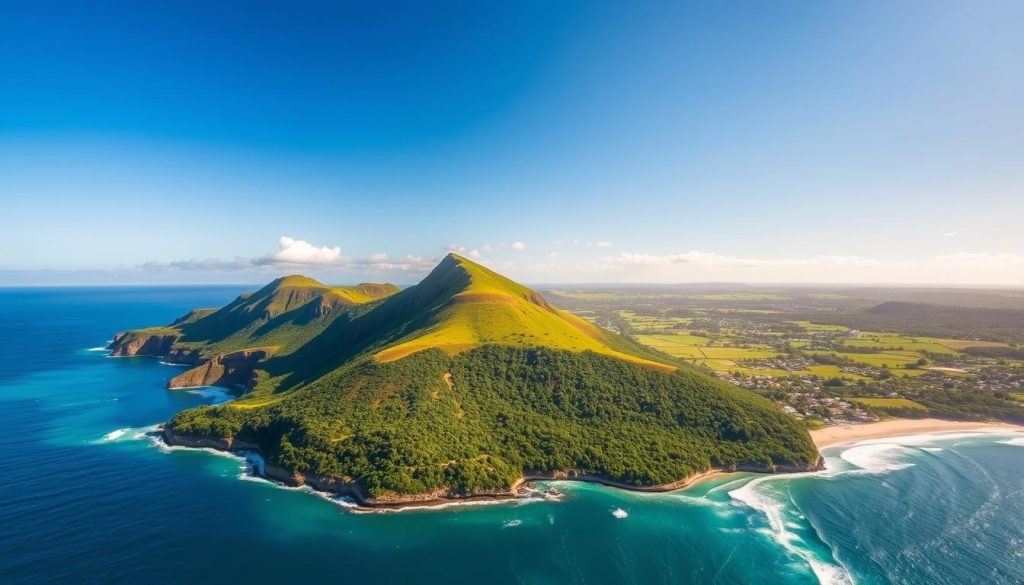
(949, 234)
(603, 244)
(977, 259)
(293, 251)
(518, 246)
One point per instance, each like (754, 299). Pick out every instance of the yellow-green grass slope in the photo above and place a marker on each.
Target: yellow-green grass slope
(489, 308)
(280, 317)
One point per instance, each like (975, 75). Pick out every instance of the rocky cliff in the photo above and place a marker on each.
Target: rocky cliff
(230, 369)
(142, 343)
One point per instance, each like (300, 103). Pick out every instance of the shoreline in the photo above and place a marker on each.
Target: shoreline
(836, 435)
(518, 492)
(831, 436)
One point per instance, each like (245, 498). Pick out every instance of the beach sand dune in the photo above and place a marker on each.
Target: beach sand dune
(841, 434)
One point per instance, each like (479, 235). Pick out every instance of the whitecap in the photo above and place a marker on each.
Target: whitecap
(99, 348)
(932, 449)
(512, 523)
(877, 457)
(1018, 442)
(619, 513)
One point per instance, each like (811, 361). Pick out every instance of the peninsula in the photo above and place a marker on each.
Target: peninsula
(462, 386)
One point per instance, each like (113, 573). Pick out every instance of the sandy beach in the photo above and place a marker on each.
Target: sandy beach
(840, 434)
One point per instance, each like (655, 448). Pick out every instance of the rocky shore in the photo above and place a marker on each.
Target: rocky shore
(350, 488)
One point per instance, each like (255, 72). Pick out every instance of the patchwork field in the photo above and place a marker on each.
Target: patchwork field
(960, 344)
(695, 347)
(891, 359)
(899, 342)
(809, 326)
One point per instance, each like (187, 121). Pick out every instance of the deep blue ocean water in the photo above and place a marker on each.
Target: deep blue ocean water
(86, 497)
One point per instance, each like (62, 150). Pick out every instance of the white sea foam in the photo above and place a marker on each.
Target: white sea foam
(1018, 442)
(99, 348)
(932, 449)
(549, 494)
(929, 438)
(174, 364)
(454, 504)
(757, 495)
(877, 458)
(512, 523)
(254, 466)
(126, 434)
(113, 435)
(219, 395)
(619, 513)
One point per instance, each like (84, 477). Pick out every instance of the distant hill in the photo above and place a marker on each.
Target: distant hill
(949, 321)
(461, 385)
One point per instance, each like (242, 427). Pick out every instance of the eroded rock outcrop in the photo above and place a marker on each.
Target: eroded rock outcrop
(142, 343)
(230, 369)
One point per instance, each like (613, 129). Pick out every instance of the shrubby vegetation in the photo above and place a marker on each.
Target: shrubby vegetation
(400, 428)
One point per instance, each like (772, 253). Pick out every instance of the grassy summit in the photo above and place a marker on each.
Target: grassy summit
(485, 307)
(464, 383)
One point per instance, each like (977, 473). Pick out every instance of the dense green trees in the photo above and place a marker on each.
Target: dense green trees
(400, 428)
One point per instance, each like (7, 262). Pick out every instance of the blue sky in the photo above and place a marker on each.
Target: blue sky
(151, 142)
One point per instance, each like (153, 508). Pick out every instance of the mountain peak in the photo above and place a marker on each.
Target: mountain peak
(295, 281)
(468, 305)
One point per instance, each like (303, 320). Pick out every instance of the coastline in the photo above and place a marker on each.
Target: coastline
(347, 488)
(835, 435)
(831, 436)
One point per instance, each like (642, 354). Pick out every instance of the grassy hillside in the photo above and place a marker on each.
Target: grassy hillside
(283, 316)
(489, 308)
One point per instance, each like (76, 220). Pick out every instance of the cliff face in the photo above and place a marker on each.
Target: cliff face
(141, 343)
(230, 369)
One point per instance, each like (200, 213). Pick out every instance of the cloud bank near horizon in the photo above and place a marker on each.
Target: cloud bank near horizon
(591, 263)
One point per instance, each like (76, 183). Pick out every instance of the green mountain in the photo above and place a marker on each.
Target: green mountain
(461, 385)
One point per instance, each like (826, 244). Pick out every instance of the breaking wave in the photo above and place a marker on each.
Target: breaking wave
(765, 495)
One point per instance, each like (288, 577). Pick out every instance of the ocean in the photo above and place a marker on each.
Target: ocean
(86, 496)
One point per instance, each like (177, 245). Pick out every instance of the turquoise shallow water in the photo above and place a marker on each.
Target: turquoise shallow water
(86, 497)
